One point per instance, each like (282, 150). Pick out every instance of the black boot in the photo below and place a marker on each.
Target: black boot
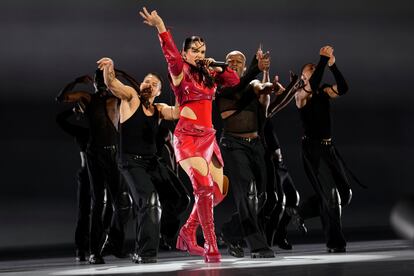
(280, 238)
(262, 253)
(297, 220)
(233, 248)
(96, 259)
(80, 255)
(283, 244)
(337, 250)
(165, 243)
(112, 248)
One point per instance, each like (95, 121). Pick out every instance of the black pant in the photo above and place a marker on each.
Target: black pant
(175, 199)
(244, 164)
(281, 190)
(84, 208)
(104, 173)
(282, 194)
(328, 175)
(145, 176)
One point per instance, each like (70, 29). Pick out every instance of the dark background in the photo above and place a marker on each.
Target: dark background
(45, 44)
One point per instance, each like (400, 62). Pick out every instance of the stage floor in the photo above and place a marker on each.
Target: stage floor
(382, 257)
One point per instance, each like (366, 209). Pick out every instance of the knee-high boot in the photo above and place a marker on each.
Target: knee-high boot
(187, 239)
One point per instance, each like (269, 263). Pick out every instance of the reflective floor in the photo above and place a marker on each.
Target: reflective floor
(385, 257)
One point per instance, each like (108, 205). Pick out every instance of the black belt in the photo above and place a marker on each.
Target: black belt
(244, 139)
(141, 157)
(322, 141)
(95, 147)
(113, 147)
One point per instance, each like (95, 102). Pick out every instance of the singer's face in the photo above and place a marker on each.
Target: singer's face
(237, 63)
(196, 52)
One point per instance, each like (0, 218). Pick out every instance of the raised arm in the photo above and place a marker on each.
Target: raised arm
(316, 78)
(236, 92)
(120, 90)
(341, 86)
(172, 55)
(266, 87)
(283, 99)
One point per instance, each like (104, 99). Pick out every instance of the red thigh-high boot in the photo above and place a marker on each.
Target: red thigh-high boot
(204, 200)
(218, 195)
(187, 239)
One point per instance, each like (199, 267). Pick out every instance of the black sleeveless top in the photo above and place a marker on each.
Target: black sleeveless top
(102, 131)
(316, 116)
(139, 132)
(246, 117)
(242, 99)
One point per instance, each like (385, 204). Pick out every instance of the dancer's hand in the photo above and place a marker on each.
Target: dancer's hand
(277, 86)
(263, 60)
(105, 63)
(326, 51)
(107, 66)
(266, 88)
(153, 19)
(207, 61)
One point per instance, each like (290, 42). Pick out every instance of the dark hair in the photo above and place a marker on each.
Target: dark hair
(202, 72)
(190, 40)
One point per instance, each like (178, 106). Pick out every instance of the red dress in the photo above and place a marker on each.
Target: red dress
(194, 137)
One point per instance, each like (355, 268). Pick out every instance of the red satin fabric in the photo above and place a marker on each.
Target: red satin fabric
(192, 140)
(203, 111)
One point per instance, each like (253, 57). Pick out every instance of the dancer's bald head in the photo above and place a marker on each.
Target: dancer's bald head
(236, 61)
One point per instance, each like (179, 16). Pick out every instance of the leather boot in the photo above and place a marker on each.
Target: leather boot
(204, 200)
(187, 239)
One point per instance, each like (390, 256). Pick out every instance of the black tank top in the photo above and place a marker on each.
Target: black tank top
(316, 117)
(101, 129)
(138, 133)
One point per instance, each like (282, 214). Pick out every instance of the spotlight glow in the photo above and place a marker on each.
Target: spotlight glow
(199, 265)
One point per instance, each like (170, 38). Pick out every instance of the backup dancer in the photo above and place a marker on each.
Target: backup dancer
(153, 186)
(244, 156)
(101, 110)
(323, 165)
